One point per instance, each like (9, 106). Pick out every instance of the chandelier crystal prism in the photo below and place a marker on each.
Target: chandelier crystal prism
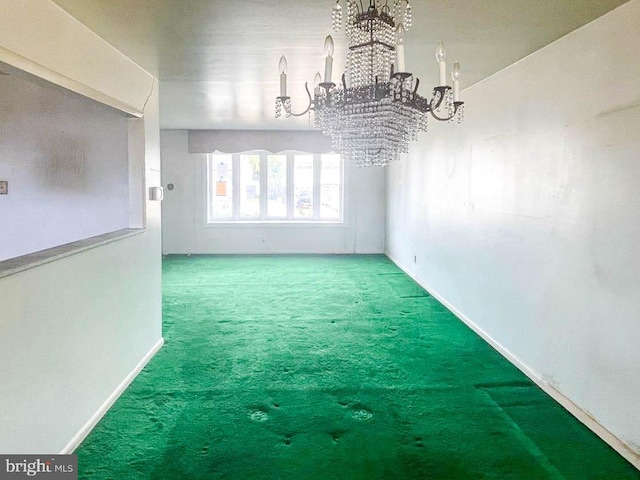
(376, 111)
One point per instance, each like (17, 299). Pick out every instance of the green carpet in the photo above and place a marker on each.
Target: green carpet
(329, 367)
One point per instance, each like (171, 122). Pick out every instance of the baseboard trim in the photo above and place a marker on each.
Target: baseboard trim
(583, 416)
(79, 437)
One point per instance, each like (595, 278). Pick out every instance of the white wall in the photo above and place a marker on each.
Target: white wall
(185, 229)
(526, 218)
(39, 37)
(66, 160)
(74, 329)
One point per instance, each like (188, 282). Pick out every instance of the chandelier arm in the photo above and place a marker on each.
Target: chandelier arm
(439, 92)
(456, 105)
(442, 119)
(306, 87)
(415, 90)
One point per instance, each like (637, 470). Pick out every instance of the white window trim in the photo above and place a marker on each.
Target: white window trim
(236, 219)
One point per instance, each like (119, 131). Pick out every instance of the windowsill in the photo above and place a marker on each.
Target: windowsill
(35, 259)
(276, 224)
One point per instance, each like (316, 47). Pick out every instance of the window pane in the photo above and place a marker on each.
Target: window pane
(220, 187)
(277, 186)
(249, 186)
(330, 186)
(303, 186)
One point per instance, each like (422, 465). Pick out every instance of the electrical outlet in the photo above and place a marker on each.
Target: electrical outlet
(4, 187)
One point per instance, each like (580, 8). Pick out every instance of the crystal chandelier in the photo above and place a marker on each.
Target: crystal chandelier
(377, 111)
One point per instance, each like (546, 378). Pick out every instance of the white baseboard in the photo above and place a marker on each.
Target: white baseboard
(583, 416)
(79, 437)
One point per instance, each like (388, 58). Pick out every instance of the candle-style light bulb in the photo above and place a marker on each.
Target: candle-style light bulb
(282, 66)
(441, 55)
(317, 80)
(400, 65)
(328, 46)
(328, 61)
(441, 52)
(455, 73)
(455, 76)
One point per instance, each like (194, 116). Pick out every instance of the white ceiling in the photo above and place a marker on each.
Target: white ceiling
(217, 59)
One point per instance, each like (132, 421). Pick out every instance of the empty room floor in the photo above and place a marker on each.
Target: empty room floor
(329, 367)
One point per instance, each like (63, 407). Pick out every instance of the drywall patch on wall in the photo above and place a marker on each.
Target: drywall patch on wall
(63, 168)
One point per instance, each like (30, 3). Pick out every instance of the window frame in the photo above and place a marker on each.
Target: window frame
(263, 218)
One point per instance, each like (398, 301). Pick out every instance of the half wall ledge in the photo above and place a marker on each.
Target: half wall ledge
(35, 259)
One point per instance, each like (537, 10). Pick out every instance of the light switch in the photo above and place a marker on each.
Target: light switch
(4, 187)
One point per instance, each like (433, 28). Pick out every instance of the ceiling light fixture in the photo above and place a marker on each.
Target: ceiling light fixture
(377, 110)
